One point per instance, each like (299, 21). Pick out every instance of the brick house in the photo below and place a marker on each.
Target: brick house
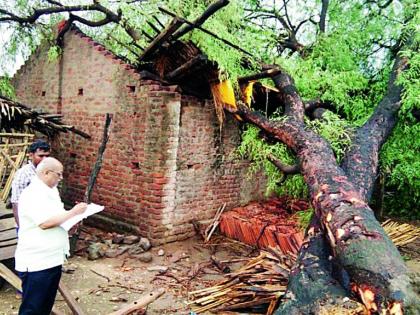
(167, 161)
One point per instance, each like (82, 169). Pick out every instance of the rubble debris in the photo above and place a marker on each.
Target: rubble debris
(114, 252)
(130, 239)
(145, 243)
(144, 257)
(135, 249)
(161, 252)
(117, 238)
(96, 250)
(98, 244)
(160, 269)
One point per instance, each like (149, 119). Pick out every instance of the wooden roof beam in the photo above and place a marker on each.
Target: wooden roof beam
(161, 38)
(186, 68)
(207, 32)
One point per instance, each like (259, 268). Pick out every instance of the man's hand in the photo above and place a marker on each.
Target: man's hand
(79, 208)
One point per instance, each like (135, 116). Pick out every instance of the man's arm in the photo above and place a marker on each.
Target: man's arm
(15, 213)
(62, 217)
(19, 183)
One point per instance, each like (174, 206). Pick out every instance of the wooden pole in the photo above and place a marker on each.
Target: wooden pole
(98, 165)
(10, 277)
(70, 300)
(141, 302)
(93, 175)
(184, 69)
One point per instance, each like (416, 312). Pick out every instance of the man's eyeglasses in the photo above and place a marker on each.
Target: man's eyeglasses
(60, 174)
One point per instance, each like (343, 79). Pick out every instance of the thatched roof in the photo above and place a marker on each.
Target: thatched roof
(15, 116)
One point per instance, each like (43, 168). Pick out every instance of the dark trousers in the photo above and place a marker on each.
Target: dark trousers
(39, 291)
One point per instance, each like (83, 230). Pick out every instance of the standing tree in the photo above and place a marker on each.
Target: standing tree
(346, 76)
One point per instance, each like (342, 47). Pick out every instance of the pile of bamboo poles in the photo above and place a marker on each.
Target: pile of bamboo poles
(400, 233)
(15, 116)
(259, 283)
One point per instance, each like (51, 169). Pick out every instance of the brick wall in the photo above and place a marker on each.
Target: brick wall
(166, 161)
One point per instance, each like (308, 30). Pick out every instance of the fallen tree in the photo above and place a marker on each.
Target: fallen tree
(339, 195)
(346, 250)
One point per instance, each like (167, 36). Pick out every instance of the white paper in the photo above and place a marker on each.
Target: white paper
(92, 208)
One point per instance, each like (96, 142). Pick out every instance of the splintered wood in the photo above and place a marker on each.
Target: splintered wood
(266, 224)
(259, 283)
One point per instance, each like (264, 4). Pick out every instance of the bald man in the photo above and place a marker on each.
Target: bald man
(42, 244)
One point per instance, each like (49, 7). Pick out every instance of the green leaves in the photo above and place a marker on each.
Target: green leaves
(335, 130)
(6, 88)
(256, 150)
(400, 161)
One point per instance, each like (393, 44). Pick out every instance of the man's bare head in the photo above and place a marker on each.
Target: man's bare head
(50, 171)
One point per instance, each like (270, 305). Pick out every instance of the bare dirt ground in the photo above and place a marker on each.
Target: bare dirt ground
(105, 285)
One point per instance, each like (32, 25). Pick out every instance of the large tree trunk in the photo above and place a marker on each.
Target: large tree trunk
(354, 238)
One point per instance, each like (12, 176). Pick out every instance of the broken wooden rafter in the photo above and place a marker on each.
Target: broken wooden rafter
(17, 116)
(214, 224)
(158, 31)
(158, 21)
(186, 68)
(207, 32)
(127, 45)
(211, 9)
(161, 38)
(147, 35)
(257, 76)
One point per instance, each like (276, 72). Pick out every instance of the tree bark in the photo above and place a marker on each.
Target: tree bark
(361, 162)
(354, 237)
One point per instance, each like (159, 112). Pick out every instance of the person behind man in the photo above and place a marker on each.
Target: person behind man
(42, 243)
(37, 152)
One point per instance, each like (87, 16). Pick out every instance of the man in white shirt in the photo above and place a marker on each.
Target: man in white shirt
(38, 150)
(42, 243)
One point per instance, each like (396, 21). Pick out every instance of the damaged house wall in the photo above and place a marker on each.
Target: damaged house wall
(166, 162)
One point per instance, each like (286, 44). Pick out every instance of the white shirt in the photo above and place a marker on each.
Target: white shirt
(39, 249)
(21, 180)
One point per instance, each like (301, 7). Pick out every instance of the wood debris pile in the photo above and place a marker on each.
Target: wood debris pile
(15, 116)
(266, 224)
(258, 284)
(400, 233)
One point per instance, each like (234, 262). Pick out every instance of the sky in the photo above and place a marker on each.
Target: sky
(8, 68)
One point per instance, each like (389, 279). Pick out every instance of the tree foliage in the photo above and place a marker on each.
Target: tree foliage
(338, 52)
